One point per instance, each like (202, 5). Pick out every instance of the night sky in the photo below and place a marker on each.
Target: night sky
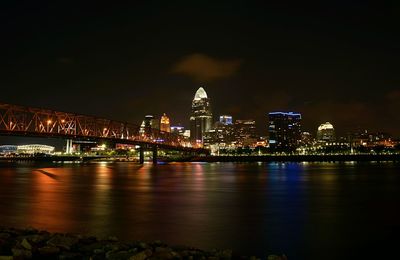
(336, 62)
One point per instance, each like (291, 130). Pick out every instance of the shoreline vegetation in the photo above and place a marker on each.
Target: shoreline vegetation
(222, 158)
(31, 243)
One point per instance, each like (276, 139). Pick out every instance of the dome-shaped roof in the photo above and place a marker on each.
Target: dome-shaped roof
(200, 94)
(325, 126)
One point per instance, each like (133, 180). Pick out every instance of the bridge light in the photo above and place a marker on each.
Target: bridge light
(49, 122)
(62, 121)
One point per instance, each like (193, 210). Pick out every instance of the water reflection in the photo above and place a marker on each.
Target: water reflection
(47, 205)
(301, 209)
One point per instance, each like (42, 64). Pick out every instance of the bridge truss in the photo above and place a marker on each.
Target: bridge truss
(28, 121)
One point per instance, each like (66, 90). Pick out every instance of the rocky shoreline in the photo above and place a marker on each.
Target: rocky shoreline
(38, 244)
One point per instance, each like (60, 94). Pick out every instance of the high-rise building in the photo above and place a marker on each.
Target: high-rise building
(225, 119)
(245, 133)
(326, 133)
(149, 123)
(201, 117)
(177, 129)
(284, 131)
(164, 124)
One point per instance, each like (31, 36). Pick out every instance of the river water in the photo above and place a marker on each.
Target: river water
(304, 210)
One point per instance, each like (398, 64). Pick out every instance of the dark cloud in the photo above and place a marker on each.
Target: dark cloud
(393, 95)
(203, 68)
(65, 60)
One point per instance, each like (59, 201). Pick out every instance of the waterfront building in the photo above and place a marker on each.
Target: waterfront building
(284, 131)
(186, 133)
(201, 116)
(326, 133)
(225, 119)
(306, 138)
(148, 124)
(164, 124)
(221, 136)
(177, 129)
(245, 133)
(8, 149)
(35, 149)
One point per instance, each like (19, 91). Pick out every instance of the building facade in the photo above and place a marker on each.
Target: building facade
(165, 124)
(225, 119)
(245, 133)
(148, 124)
(201, 116)
(326, 132)
(284, 131)
(178, 129)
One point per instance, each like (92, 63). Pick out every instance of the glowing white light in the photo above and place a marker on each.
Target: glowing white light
(200, 94)
(325, 126)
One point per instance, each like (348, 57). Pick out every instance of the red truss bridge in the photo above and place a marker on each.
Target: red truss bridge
(36, 122)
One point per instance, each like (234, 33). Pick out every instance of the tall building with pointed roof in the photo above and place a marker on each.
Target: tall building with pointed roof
(201, 116)
(164, 124)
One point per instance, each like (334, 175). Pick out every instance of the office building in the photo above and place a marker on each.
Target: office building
(284, 131)
(225, 119)
(164, 124)
(326, 133)
(201, 116)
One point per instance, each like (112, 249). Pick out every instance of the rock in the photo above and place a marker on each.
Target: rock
(37, 239)
(277, 257)
(19, 253)
(5, 246)
(224, 254)
(62, 241)
(158, 243)
(48, 250)
(133, 250)
(98, 251)
(120, 255)
(87, 240)
(89, 248)
(98, 257)
(26, 244)
(30, 231)
(142, 255)
(143, 245)
(5, 235)
(70, 256)
(112, 238)
(162, 253)
(108, 248)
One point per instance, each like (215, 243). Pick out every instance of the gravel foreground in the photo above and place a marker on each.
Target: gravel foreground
(38, 244)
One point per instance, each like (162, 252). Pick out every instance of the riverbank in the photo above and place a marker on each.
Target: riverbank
(38, 244)
(300, 158)
(221, 158)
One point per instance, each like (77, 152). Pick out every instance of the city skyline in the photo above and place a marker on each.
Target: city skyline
(332, 62)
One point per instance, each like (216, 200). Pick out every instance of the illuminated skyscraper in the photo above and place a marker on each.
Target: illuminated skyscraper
(225, 119)
(245, 133)
(164, 124)
(178, 129)
(284, 131)
(201, 117)
(149, 123)
(326, 132)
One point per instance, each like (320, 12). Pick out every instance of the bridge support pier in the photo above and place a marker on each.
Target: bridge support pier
(68, 148)
(141, 155)
(155, 154)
